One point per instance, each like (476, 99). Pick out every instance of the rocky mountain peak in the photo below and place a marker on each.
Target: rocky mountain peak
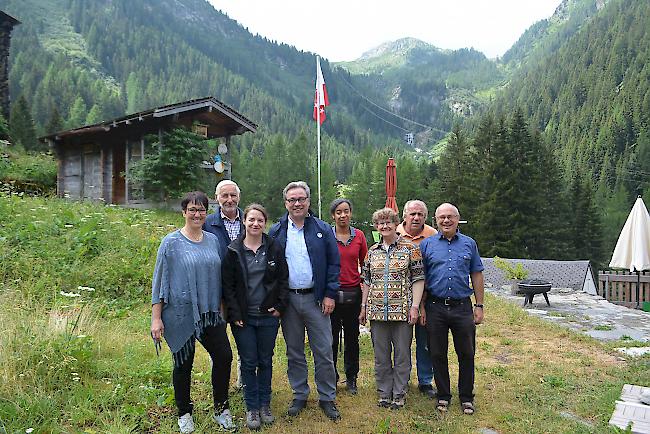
(399, 47)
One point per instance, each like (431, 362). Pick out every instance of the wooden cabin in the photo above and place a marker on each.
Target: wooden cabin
(7, 24)
(93, 161)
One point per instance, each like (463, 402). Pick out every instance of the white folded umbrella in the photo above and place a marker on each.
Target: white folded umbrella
(632, 251)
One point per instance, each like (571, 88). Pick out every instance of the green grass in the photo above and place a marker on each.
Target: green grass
(22, 171)
(87, 364)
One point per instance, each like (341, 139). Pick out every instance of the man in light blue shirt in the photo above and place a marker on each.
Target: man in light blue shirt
(300, 274)
(314, 267)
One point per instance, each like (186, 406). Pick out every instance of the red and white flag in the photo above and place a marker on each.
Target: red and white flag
(320, 97)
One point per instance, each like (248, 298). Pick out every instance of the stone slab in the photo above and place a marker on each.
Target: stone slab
(635, 416)
(630, 412)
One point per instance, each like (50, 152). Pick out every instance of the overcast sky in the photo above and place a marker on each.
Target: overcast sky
(344, 29)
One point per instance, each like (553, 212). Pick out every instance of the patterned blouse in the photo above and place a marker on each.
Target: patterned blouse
(390, 276)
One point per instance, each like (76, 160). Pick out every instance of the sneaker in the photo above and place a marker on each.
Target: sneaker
(397, 403)
(296, 407)
(383, 402)
(427, 390)
(330, 410)
(253, 419)
(186, 423)
(266, 415)
(225, 420)
(351, 384)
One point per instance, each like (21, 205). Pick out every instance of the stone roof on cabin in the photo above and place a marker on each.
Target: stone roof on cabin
(5, 17)
(561, 274)
(210, 103)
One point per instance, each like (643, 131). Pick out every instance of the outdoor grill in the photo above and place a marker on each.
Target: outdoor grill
(530, 287)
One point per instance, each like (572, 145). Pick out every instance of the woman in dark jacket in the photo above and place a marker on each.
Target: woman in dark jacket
(256, 289)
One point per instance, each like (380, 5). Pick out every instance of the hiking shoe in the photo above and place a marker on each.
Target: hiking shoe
(266, 415)
(330, 410)
(352, 386)
(225, 420)
(296, 407)
(427, 390)
(397, 403)
(383, 402)
(186, 423)
(253, 419)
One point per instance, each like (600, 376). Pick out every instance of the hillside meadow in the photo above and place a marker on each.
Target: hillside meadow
(76, 355)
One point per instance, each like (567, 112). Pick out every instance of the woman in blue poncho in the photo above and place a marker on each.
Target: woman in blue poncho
(186, 298)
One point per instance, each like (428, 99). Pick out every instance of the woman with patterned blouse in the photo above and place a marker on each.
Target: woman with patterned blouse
(393, 282)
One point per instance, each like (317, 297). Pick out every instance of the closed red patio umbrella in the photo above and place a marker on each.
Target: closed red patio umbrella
(391, 185)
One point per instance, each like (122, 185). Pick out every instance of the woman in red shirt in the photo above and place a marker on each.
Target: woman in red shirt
(352, 249)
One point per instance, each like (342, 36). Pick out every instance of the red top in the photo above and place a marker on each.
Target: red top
(353, 253)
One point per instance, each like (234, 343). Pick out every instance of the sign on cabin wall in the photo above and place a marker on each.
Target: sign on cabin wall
(201, 130)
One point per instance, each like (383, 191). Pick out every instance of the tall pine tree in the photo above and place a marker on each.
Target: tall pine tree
(21, 126)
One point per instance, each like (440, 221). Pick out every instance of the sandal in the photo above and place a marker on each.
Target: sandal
(468, 407)
(442, 405)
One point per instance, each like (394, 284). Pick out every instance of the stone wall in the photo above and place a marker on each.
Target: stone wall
(7, 24)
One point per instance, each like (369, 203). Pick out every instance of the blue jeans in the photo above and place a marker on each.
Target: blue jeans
(422, 357)
(255, 343)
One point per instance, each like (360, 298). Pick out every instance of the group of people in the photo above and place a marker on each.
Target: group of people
(308, 276)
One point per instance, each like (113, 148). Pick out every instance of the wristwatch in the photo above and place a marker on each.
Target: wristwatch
(478, 305)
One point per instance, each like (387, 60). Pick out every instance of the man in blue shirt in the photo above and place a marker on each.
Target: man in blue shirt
(314, 266)
(451, 260)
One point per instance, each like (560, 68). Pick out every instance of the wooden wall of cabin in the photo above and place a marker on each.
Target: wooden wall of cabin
(82, 172)
(92, 172)
(107, 172)
(71, 176)
(135, 151)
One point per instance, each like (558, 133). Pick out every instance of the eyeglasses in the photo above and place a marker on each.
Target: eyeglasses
(299, 200)
(442, 218)
(384, 223)
(197, 210)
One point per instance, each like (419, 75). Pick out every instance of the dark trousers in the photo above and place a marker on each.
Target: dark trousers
(255, 343)
(460, 320)
(216, 343)
(346, 317)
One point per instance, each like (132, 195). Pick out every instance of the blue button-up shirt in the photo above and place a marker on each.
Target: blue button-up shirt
(300, 272)
(448, 264)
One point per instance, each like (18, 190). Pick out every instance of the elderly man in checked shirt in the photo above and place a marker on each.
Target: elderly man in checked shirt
(226, 223)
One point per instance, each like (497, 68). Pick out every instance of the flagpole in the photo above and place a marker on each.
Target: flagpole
(318, 145)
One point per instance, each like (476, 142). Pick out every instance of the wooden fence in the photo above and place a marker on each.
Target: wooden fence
(620, 287)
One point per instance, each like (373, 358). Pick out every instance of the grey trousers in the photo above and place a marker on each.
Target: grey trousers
(304, 313)
(391, 341)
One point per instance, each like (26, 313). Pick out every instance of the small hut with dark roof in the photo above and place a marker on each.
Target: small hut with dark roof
(93, 161)
(7, 24)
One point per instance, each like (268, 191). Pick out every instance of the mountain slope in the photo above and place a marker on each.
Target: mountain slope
(430, 86)
(592, 96)
(68, 53)
(545, 36)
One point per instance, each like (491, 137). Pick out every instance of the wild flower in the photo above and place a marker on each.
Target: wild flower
(29, 430)
(69, 294)
(86, 288)
(68, 225)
